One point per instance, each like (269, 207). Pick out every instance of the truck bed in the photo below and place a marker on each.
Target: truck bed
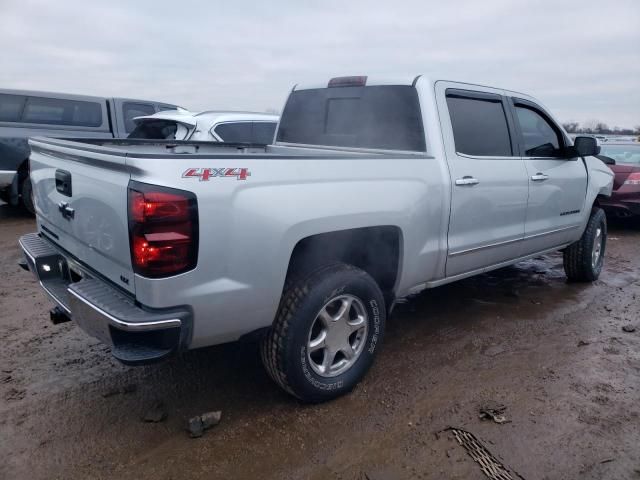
(185, 148)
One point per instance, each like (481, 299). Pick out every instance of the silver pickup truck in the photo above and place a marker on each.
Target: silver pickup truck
(374, 190)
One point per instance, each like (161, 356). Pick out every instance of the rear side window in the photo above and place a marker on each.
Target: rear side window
(236, 132)
(51, 111)
(539, 136)
(479, 126)
(380, 117)
(131, 110)
(11, 107)
(263, 132)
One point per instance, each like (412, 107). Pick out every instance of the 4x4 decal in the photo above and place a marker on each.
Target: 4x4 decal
(204, 174)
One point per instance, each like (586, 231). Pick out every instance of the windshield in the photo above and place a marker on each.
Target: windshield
(622, 154)
(381, 117)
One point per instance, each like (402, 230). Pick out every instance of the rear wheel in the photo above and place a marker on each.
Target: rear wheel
(583, 259)
(326, 333)
(27, 195)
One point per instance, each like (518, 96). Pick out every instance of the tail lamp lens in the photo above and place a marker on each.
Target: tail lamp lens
(163, 230)
(633, 179)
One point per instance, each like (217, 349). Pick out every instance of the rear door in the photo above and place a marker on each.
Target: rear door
(557, 184)
(489, 179)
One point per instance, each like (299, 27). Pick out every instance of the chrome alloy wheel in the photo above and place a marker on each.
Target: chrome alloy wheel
(337, 336)
(596, 253)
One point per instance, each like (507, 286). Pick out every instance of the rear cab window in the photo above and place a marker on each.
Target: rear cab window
(386, 117)
(50, 111)
(479, 123)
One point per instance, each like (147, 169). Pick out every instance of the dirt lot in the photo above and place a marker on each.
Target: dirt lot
(553, 353)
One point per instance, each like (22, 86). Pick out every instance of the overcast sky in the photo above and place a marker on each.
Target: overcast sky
(580, 58)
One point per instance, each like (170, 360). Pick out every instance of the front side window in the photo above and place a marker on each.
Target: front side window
(237, 132)
(479, 126)
(57, 111)
(131, 110)
(539, 136)
(11, 107)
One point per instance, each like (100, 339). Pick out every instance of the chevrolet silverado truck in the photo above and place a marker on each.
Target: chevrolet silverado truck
(374, 190)
(26, 113)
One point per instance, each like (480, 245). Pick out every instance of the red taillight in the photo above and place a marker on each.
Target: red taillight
(163, 230)
(633, 179)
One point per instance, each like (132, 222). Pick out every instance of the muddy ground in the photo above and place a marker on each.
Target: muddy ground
(553, 353)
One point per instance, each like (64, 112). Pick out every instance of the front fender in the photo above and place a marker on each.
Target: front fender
(600, 179)
(600, 182)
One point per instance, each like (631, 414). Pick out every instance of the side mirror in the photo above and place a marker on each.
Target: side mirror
(586, 146)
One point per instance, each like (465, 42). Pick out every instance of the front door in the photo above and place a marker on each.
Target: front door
(557, 184)
(489, 179)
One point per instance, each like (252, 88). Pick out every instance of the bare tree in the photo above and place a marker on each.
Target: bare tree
(571, 127)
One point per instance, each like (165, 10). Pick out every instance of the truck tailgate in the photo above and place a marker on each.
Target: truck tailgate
(81, 205)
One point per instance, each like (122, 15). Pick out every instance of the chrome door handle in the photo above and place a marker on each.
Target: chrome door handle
(539, 177)
(467, 180)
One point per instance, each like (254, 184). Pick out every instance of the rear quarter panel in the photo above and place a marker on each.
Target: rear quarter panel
(249, 228)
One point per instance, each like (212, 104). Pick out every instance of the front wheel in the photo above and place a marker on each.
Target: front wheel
(583, 259)
(326, 334)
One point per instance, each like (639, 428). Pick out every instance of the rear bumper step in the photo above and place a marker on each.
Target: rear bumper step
(138, 335)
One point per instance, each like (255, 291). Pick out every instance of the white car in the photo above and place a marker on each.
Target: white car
(208, 126)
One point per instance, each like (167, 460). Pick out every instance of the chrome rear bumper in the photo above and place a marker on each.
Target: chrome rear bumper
(136, 333)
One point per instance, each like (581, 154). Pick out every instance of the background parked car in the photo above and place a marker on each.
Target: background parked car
(625, 199)
(25, 114)
(209, 126)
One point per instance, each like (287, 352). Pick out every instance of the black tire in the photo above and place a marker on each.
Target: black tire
(284, 347)
(578, 257)
(27, 195)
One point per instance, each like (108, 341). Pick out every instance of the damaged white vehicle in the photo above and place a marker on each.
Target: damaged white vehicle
(374, 189)
(209, 126)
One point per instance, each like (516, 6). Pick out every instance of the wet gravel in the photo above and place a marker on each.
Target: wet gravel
(556, 356)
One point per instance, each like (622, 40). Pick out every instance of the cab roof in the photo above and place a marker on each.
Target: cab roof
(379, 80)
